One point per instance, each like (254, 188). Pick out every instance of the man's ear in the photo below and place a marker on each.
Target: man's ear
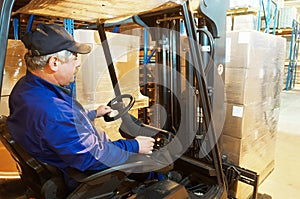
(53, 63)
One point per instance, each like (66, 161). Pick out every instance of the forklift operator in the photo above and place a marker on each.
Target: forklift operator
(48, 123)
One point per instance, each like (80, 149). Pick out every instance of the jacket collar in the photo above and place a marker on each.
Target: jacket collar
(63, 92)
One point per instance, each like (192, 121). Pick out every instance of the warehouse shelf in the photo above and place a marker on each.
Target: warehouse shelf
(242, 11)
(270, 11)
(293, 56)
(265, 12)
(284, 31)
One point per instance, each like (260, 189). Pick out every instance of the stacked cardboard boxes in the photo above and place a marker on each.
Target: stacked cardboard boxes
(253, 82)
(93, 83)
(234, 4)
(242, 22)
(14, 69)
(286, 17)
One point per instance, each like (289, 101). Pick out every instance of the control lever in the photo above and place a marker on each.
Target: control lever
(162, 139)
(132, 127)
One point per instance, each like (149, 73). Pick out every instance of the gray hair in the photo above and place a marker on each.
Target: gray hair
(39, 62)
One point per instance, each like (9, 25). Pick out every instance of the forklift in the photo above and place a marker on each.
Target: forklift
(189, 67)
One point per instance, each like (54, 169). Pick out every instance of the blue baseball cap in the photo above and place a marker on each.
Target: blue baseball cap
(52, 38)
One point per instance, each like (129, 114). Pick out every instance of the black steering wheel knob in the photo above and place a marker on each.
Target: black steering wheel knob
(119, 108)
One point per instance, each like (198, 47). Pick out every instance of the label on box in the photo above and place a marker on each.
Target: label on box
(244, 37)
(237, 111)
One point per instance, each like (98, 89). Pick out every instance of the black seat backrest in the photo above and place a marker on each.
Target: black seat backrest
(34, 174)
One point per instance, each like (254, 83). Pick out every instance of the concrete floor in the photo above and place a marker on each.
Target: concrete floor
(284, 181)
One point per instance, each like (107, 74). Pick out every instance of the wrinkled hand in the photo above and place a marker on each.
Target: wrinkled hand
(145, 144)
(102, 110)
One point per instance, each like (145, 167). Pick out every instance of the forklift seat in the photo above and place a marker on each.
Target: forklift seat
(43, 180)
(47, 182)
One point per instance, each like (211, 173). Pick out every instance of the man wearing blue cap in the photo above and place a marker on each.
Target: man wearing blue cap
(48, 123)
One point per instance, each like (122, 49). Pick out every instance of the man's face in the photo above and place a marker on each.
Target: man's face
(67, 71)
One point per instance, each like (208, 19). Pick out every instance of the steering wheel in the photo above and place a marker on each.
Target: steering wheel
(119, 107)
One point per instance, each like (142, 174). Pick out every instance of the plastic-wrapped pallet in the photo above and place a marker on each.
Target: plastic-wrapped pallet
(234, 4)
(245, 22)
(286, 17)
(14, 69)
(93, 83)
(253, 82)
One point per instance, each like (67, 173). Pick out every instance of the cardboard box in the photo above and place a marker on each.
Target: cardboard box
(243, 86)
(14, 69)
(15, 66)
(252, 120)
(233, 4)
(248, 85)
(94, 85)
(286, 17)
(4, 110)
(245, 22)
(8, 167)
(253, 83)
(255, 155)
(251, 153)
(93, 82)
(253, 49)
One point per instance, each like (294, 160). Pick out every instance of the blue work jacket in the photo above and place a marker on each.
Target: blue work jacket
(52, 127)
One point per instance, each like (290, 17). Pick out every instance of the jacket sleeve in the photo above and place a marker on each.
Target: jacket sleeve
(72, 136)
(91, 114)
